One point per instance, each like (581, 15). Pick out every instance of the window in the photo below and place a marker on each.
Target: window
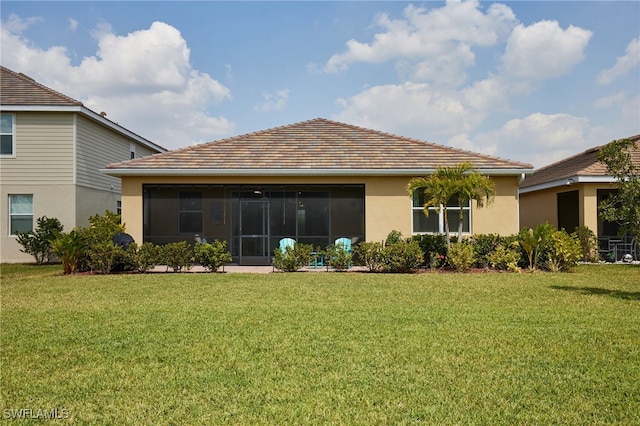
(20, 213)
(7, 135)
(132, 150)
(190, 212)
(119, 207)
(434, 223)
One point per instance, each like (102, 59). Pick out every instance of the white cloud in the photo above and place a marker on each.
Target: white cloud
(540, 52)
(273, 101)
(144, 77)
(623, 65)
(73, 24)
(430, 45)
(539, 139)
(17, 25)
(609, 101)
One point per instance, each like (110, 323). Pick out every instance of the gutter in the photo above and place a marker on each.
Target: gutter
(118, 172)
(568, 181)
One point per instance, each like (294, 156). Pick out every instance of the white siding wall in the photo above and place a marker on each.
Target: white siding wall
(44, 150)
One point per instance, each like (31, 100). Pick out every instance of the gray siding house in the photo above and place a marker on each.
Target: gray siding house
(52, 148)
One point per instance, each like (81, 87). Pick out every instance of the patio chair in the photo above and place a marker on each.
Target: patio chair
(286, 242)
(345, 244)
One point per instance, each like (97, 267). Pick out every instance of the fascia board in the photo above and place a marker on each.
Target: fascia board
(295, 172)
(563, 182)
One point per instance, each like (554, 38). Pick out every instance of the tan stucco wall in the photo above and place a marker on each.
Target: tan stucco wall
(542, 206)
(387, 204)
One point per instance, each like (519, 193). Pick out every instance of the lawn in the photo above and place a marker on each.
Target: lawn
(322, 348)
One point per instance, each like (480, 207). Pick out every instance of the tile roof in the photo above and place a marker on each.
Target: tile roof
(18, 89)
(313, 145)
(580, 165)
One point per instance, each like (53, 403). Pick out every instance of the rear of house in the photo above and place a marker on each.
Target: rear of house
(313, 181)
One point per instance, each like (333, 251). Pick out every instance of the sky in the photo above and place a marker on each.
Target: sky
(530, 81)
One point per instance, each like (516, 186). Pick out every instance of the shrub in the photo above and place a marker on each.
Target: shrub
(370, 254)
(564, 253)
(433, 246)
(212, 255)
(177, 256)
(484, 246)
(588, 243)
(146, 256)
(103, 255)
(393, 237)
(402, 256)
(536, 243)
(460, 256)
(338, 257)
(292, 258)
(69, 248)
(505, 257)
(37, 243)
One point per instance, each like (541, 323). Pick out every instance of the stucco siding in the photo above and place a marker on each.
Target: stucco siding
(538, 207)
(501, 215)
(43, 150)
(387, 204)
(98, 146)
(51, 201)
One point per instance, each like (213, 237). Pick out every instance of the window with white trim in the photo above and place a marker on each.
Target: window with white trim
(20, 213)
(132, 150)
(7, 135)
(434, 223)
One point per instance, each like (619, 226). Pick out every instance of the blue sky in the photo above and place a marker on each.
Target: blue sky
(532, 81)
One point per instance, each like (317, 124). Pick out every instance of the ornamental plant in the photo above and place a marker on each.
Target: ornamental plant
(212, 255)
(178, 256)
(37, 243)
(292, 258)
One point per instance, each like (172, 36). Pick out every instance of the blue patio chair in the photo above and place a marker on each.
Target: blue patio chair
(286, 242)
(345, 244)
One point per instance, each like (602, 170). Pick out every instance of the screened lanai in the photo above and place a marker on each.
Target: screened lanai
(253, 218)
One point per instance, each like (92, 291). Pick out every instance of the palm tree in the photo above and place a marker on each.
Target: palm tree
(461, 183)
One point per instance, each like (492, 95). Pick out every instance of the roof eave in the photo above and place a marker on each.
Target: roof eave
(295, 172)
(567, 181)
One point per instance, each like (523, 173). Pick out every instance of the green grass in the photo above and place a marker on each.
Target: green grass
(337, 348)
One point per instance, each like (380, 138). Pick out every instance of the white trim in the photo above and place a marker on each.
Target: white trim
(568, 181)
(75, 149)
(90, 114)
(294, 172)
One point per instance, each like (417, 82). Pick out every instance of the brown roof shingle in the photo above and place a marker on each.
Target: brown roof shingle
(18, 89)
(583, 164)
(317, 144)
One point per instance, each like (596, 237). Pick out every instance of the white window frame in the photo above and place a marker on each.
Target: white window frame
(132, 150)
(13, 136)
(12, 215)
(453, 227)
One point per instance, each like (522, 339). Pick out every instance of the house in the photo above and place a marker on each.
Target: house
(51, 150)
(567, 194)
(313, 181)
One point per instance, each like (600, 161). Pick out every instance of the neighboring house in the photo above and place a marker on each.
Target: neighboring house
(567, 194)
(314, 181)
(51, 150)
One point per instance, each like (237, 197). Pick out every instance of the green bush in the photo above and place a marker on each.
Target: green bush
(484, 245)
(402, 256)
(292, 258)
(69, 247)
(177, 256)
(338, 257)
(505, 257)
(536, 243)
(103, 255)
(370, 254)
(433, 246)
(564, 253)
(37, 243)
(212, 255)
(461, 256)
(146, 256)
(394, 237)
(588, 243)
